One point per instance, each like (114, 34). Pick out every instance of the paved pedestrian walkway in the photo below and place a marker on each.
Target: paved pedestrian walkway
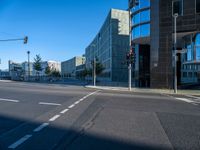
(147, 90)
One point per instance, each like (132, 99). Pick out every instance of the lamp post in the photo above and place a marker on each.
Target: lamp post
(130, 48)
(94, 71)
(28, 52)
(175, 51)
(94, 66)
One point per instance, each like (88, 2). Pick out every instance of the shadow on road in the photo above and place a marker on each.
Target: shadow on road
(12, 129)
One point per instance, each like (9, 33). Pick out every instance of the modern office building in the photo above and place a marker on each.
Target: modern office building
(25, 69)
(4, 74)
(109, 47)
(15, 70)
(153, 39)
(68, 68)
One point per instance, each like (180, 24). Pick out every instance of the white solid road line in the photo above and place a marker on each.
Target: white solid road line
(193, 97)
(54, 104)
(185, 100)
(42, 126)
(19, 142)
(54, 118)
(6, 81)
(64, 111)
(9, 100)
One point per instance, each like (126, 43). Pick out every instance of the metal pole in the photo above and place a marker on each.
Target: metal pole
(28, 52)
(94, 71)
(175, 49)
(130, 37)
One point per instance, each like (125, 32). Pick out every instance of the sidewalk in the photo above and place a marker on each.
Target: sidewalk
(146, 90)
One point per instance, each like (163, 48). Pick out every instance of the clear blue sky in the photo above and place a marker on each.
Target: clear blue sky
(57, 29)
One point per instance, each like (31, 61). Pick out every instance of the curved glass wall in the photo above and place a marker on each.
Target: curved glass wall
(141, 19)
(197, 44)
(142, 4)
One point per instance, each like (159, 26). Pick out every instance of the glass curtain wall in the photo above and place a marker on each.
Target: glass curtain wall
(197, 44)
(141, 19)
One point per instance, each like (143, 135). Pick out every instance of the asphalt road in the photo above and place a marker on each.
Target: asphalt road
(62, 117)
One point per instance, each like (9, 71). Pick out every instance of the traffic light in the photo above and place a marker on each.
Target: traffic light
(132, 57)
(25, 39)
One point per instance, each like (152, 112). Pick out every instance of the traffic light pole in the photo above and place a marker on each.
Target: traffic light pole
(94, 72)
(25, 39)
(130, 47)
(175, 49)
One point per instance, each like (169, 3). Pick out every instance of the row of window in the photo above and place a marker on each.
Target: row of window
(177, 7)
(191, 67)
(190, 74)
(193, 49)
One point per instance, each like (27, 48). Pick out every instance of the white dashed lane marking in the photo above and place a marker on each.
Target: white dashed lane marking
(9, 100)
(19, 142)
(64, 111)
(42, 126)
(77, 102)
(71, 106)
(54, 118)
(54, 104)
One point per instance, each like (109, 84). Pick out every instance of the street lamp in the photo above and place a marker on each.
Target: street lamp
(28, 52)
(94, 67)
(175, 51)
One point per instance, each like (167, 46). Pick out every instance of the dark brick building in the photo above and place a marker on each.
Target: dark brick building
(161, 42)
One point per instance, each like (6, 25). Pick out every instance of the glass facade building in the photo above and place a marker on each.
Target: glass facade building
(141, 42)
(153, 42)
(110, 46)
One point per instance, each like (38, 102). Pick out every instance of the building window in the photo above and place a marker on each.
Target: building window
(195, 74)
(189, 53)
(177, 7)
(197, 6)
(190, 74)
(197, 44)
(184, 74)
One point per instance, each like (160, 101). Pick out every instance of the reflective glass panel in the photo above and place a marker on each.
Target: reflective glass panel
(145, 30)
(197, 43)
(145, 16)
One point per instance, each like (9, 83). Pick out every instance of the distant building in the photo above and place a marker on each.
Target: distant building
(4, 74)
(110, 47)
(79, 71)
(15, 70)
(53, 65)
(20, 71)
(25, 69)
(68, 68)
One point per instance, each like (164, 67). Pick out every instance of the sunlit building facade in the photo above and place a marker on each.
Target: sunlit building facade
(109, 47)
